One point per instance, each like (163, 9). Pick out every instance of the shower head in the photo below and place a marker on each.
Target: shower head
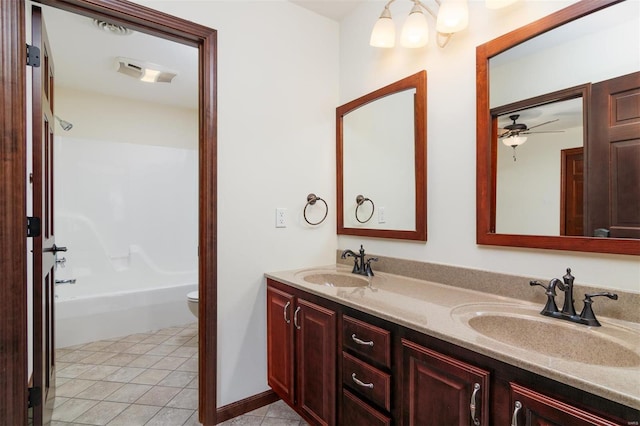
(66, 126)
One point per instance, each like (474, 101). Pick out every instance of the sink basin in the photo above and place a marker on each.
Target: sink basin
(335, 279)
(610, 346)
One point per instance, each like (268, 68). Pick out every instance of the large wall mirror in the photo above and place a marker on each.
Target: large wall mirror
(381, 147)
(558, 132)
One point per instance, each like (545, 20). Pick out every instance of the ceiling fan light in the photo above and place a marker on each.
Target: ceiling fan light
(415, 31)
(515, 140)
(384, 32)
(453, 16)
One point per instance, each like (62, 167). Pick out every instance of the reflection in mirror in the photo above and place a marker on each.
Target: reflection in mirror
(381, 160)
(378, 140)
(552, 203)
(588, 44)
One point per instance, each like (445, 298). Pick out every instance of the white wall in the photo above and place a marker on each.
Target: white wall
(277, 94)
(528, 189)
(451, 143)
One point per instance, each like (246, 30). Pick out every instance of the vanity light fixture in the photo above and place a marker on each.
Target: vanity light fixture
(514, 141)
(452, 16)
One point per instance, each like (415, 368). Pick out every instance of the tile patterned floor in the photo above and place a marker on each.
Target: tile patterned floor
(148, 379)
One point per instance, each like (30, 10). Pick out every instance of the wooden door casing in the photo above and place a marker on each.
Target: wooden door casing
(43, 252)
(13, 193)
(438, 390)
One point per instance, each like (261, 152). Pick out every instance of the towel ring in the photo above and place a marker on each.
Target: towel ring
(311, 200)
(360, 200)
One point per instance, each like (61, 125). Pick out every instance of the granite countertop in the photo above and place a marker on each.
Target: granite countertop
(443, 311)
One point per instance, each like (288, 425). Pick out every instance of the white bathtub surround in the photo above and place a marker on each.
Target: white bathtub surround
(128, 215)
(91, 318)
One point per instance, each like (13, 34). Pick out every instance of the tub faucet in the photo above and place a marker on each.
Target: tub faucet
(360, 265)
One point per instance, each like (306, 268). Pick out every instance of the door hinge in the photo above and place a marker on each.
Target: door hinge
(33, 227)
(35, 397)
(33, 56)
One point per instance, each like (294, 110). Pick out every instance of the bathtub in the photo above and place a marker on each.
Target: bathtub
(128, 215)
(90, 318)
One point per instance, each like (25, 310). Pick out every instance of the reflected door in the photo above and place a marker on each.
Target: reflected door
(613, 157)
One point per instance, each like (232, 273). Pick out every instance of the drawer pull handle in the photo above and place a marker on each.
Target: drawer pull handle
(472, 405)
(361, 383)
(516, 410)
(361, 342)
(287, 320)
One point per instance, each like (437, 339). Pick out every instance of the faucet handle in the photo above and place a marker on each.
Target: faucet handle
(367, 266)
(587, 315)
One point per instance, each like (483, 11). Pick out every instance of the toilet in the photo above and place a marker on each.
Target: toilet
(192, 301)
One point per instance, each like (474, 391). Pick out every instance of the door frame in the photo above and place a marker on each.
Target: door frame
(13, 273)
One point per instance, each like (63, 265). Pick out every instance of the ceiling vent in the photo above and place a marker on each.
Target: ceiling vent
(112, 28)
(144, 71)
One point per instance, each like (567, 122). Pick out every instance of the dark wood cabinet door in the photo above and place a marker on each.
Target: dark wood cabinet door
(534, 409)
(316, 359)
(280, 347)
(440, 390)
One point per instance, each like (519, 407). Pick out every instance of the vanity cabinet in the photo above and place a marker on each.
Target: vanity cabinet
(441, 390)
(301, 353)
(337, 365)
(535, 409)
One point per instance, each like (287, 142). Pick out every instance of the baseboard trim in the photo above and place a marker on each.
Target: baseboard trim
(246, 405)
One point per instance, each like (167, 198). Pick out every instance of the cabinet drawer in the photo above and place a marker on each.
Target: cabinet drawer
(373, 343)
(357, 412)
(367, 380)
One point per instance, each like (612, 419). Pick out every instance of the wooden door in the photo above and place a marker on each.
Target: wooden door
(439, 390)
(534, 409)
(316, 362)
(572, 192)
(280, 347)
(613, 157)
(44, 249)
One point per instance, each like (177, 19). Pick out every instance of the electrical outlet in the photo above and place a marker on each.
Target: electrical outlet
(381, 215)
(281, 217)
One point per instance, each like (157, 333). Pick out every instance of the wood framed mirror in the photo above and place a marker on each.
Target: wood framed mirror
(499, 103)
(381, 154)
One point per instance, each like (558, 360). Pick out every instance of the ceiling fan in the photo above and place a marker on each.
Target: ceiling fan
(512, 134)
(516, 129)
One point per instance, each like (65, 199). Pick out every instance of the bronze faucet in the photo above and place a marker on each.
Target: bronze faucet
(568, 313)
(360, 265)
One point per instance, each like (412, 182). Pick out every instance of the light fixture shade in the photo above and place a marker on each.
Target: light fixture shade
(453, 16)
(498, 4)
(415, 32)
(383, 33)
(514, 140)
